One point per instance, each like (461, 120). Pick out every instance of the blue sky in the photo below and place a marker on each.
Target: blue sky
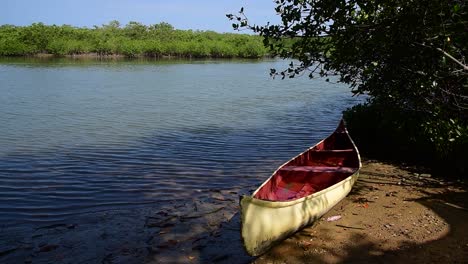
(200, 14)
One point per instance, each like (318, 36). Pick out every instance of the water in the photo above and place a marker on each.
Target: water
(84, 136)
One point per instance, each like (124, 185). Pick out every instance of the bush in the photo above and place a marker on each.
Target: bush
(153, 48)
(14, 47)
(132, 40)
(130, 48)
(388, 132)
(67, 47)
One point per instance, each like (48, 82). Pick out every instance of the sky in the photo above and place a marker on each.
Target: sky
(196, 15)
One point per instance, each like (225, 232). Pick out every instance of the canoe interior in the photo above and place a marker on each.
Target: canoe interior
(327, 163)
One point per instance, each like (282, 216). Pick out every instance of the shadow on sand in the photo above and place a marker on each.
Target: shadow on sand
(417, 221)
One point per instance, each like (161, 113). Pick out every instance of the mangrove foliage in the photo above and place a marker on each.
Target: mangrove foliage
(131, 40)
(409, 57)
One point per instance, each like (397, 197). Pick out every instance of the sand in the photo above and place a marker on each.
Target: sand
(391, 216)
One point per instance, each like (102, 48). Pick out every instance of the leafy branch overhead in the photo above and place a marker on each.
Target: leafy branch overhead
(407, 55)
(395, 49)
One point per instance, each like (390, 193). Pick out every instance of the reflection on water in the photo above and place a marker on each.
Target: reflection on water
(79, 136)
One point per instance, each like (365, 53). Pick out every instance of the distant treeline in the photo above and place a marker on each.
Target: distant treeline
(131, 40)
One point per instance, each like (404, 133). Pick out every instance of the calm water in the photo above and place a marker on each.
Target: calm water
(83, 136)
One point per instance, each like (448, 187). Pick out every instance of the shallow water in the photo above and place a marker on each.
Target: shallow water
(84, 136)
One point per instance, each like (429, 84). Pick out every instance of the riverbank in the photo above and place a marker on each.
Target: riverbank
(131, 40)
(94, 55)
(392, 215)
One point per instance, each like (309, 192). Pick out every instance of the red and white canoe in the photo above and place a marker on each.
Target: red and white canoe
(300, 191)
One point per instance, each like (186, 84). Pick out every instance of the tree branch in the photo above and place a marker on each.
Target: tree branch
(465, 67)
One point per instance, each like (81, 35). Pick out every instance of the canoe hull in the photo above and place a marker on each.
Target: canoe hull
(265, 223)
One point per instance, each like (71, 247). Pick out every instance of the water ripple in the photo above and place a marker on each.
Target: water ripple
(77, 139)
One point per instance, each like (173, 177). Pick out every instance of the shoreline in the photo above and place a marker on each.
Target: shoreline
(94, 55)
(392, 215)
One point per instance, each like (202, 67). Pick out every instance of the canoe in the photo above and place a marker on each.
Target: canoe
(299, 192)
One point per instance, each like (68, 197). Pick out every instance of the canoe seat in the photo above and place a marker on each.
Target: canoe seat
(326, 158)
(318, 169)
(332, 150)
(294, 182)
(318, 177)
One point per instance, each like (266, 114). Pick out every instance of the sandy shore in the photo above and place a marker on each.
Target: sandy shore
(392, 215)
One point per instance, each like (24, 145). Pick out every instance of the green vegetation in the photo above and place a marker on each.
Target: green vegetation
(131, 40)
(409, 57)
